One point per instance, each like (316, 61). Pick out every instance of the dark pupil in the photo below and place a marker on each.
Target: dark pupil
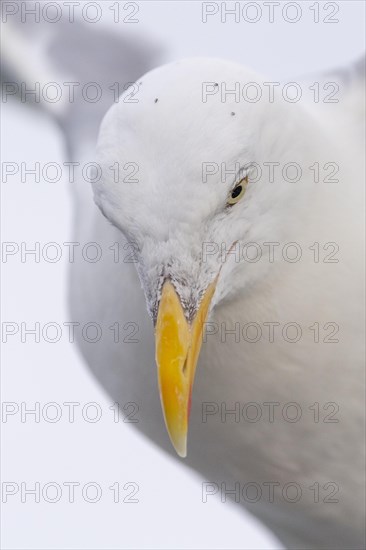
(236, 192)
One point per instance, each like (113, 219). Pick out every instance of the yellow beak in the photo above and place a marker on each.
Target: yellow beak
(178, 344)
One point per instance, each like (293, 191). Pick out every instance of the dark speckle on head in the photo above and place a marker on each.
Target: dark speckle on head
(232, 114)
(140, 83)
(216, 84)
(156, 100)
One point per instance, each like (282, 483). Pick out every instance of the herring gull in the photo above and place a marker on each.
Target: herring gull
(190, 215)
(188, 236)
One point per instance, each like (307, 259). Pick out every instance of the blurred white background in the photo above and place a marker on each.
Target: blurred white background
(106, 452)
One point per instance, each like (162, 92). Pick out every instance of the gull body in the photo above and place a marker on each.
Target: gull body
(170, 215)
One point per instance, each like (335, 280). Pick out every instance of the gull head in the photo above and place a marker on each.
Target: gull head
(182, 158)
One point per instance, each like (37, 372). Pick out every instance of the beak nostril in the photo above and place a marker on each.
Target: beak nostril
(184, 368)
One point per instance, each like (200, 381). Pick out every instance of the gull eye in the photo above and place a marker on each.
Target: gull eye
(238, 191)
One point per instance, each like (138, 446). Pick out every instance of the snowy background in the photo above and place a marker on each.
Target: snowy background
(106, 452)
